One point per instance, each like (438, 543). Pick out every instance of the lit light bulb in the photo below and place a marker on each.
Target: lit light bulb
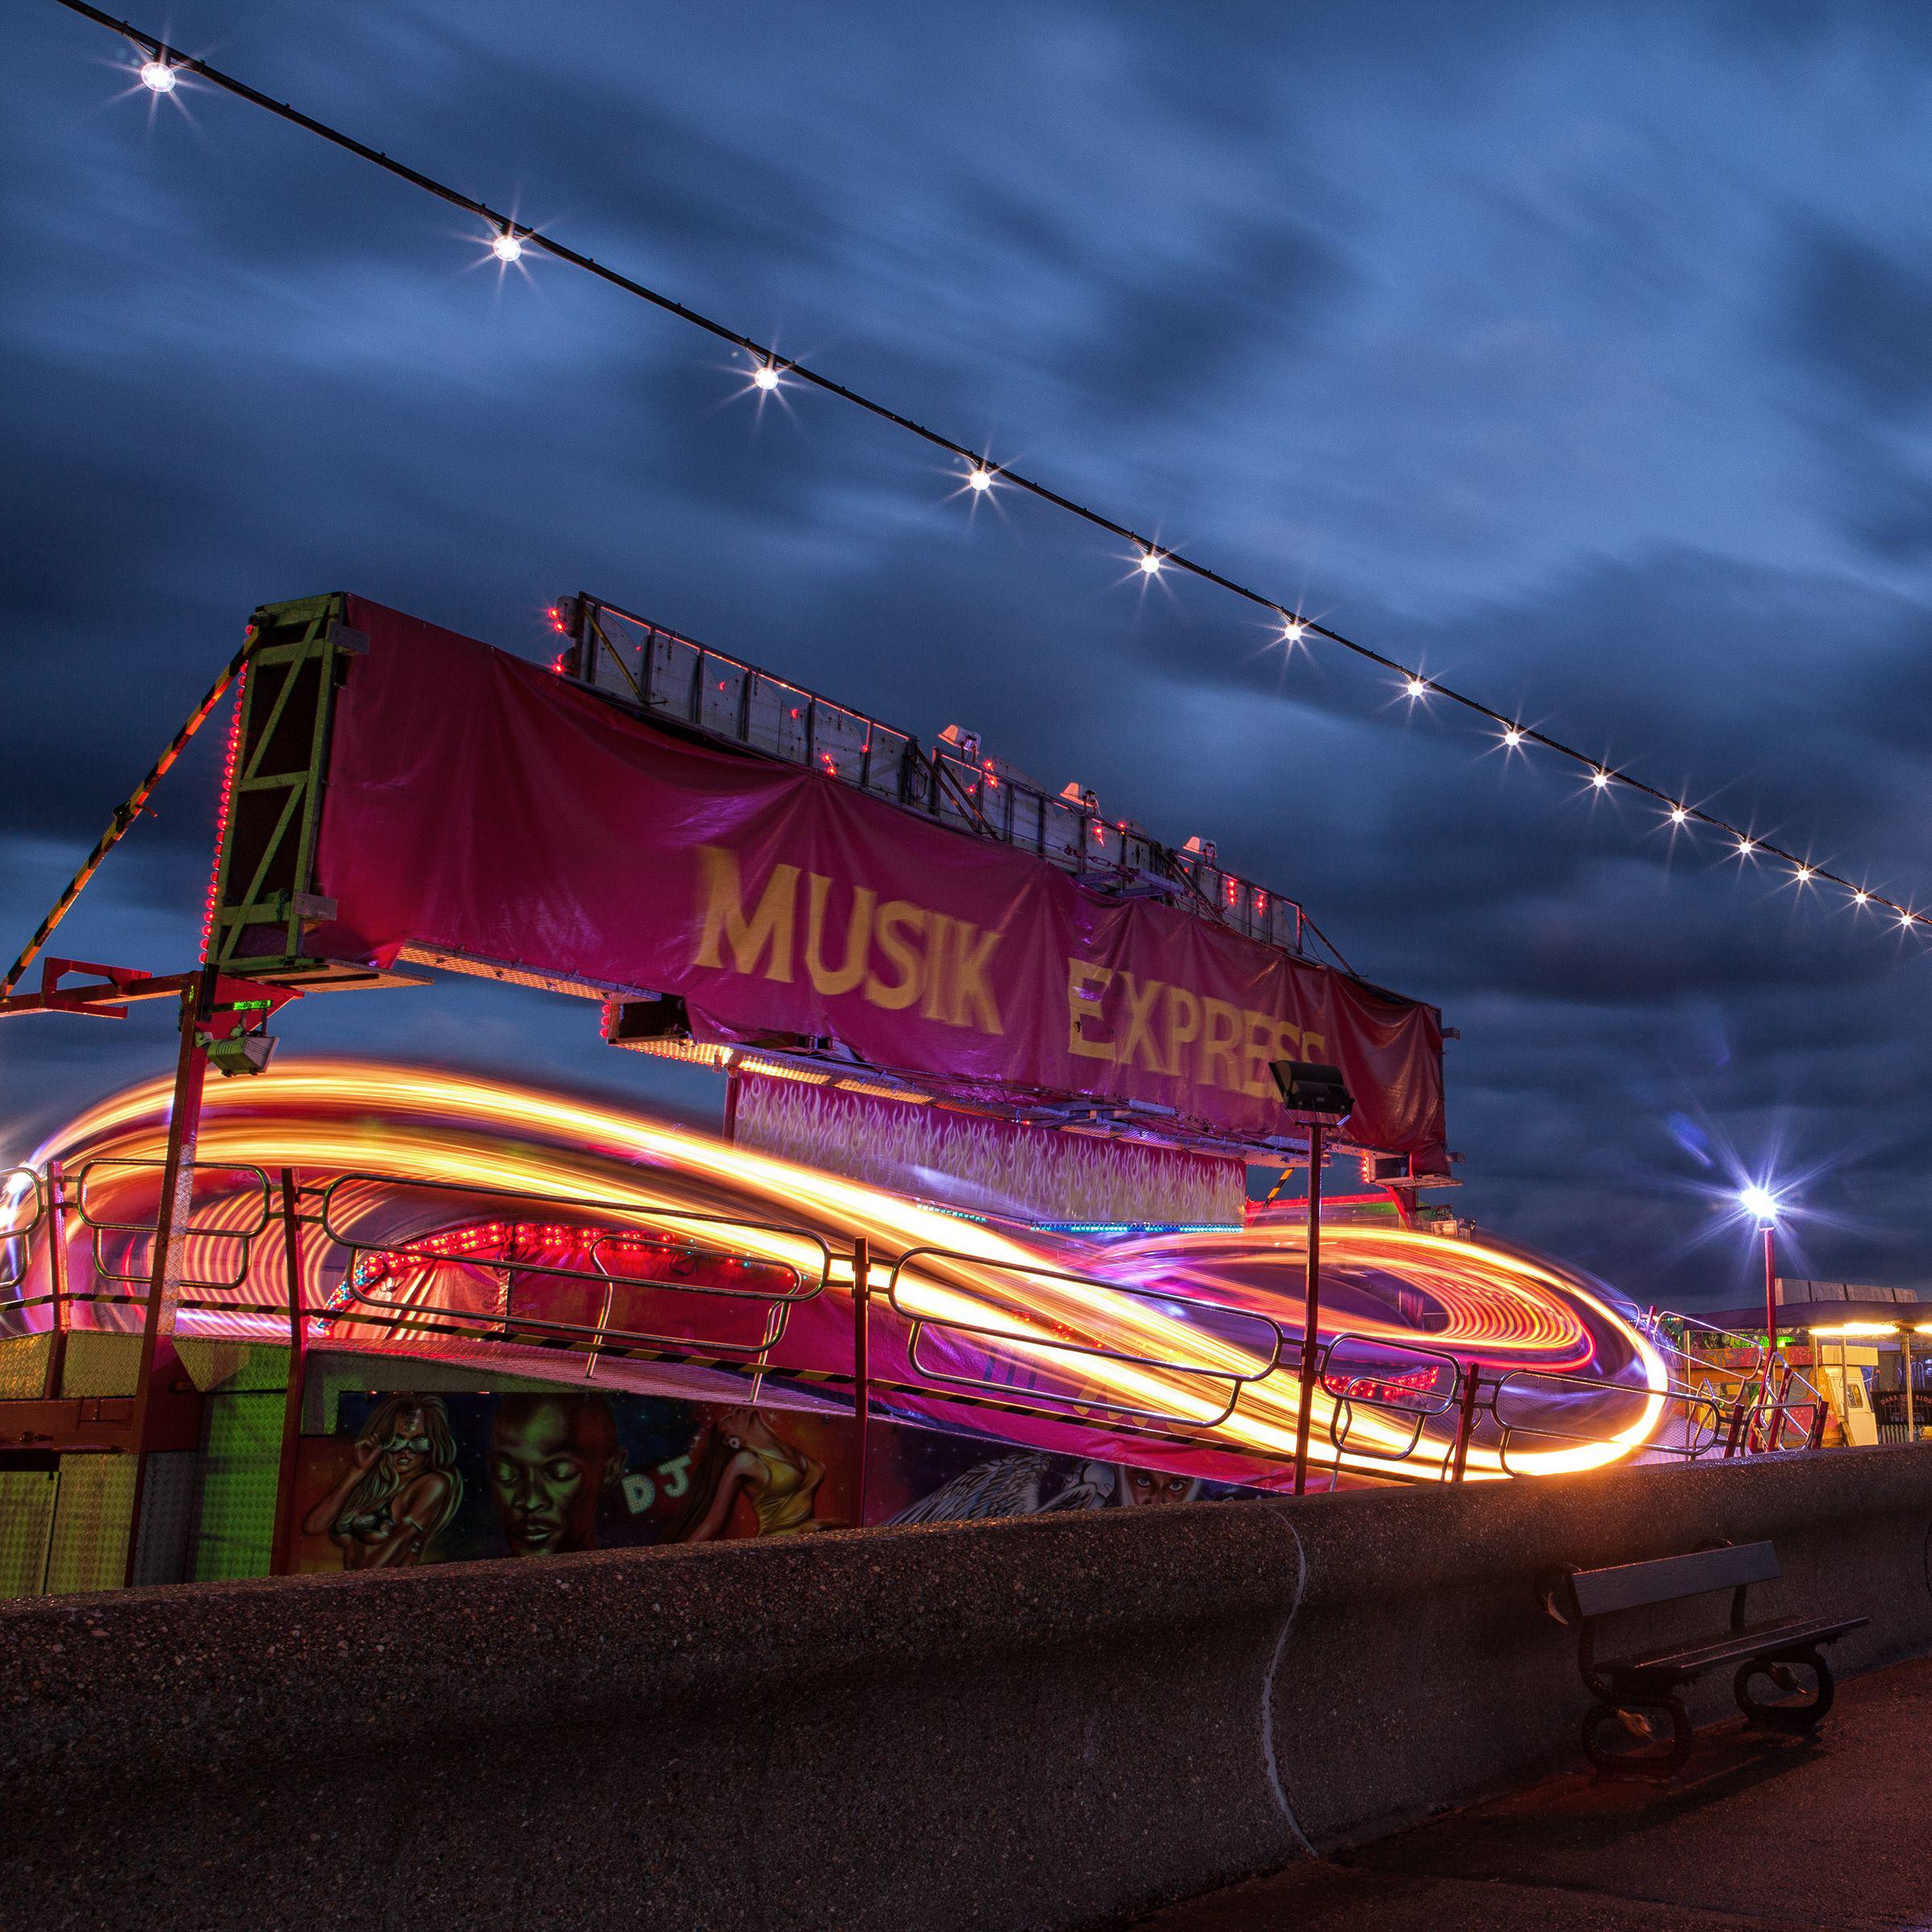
(1760, 1202)
(158, 76)
(1746, 847)
(1293, 630)
(1678, 815)
(1150, 563)
(1803, 875)
(979, 477)
(1415, 687)
(765, 376)
(1512, 737)
(1861, 898)
(1907, 918)
(1600, 779)
(506, 247)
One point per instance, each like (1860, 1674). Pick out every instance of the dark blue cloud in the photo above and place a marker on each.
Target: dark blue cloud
(1573, 353)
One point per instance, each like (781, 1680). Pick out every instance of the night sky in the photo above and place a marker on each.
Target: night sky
(1579, 354)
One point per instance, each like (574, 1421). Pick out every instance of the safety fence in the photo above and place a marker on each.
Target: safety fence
(368, 1260)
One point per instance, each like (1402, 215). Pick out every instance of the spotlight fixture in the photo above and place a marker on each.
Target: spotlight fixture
(765, 376)
(1293, 630)
(979, 477)
(1414, 687)
(1512, 737)
(1150, 563)
(1312, 1089)
(241, 1053)
(158, 76)
(1678, 815)
(1600, 779)
(506, 247)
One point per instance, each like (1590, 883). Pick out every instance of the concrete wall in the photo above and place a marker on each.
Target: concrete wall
(1048, 1723)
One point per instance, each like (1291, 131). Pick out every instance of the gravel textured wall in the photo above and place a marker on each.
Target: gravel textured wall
(1040, 1724)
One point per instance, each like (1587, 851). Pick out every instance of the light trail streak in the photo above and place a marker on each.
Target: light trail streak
(1179, 1328)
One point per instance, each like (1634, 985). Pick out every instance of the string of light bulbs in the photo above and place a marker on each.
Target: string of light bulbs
(162, 66)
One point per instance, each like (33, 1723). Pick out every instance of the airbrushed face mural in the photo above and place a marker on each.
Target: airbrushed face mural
(405, 1480)
(582, 1244)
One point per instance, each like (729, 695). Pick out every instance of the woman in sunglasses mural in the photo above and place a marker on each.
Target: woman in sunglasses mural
(400, 1490)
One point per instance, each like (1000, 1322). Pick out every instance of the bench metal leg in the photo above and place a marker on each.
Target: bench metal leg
(1784, 1715)
(1605, 1723)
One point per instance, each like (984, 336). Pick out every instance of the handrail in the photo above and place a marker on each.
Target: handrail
(84, 1172)
(1510, 1430)
(19, 1262)
(1047, 1403)
(1742, 1341)
(600, 1335)
(1198, 1360)
(98, 1226)
(600, 1205)
(1348, 1391)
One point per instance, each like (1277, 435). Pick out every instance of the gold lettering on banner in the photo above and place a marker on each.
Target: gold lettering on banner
(767, 931)
(939, 935)
(858, 937)
(897, 954)
(1217, 1043)
(1137, 1038)
(1178, 1033)
(1260, 1045)
(972, 1004)
(894, 995)
(1085, 983)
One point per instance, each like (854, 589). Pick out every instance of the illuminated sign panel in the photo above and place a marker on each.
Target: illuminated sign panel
(476, 805)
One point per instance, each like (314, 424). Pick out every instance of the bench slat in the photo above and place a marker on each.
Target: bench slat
(1690, 1660)
(1667, 1579)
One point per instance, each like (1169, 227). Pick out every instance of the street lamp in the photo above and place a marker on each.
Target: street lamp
(1316, 1096)
(1762, 1204)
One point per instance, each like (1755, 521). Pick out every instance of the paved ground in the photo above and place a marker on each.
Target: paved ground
(1755, 1835)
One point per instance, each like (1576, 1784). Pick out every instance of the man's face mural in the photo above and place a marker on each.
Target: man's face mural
(550, 1458)
(1151, 1489)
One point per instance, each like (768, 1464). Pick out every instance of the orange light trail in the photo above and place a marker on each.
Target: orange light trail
(1182, 1329)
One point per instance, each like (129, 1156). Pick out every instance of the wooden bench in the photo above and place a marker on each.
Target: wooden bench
(1629, 1688)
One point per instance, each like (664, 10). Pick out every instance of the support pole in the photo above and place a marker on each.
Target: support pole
(1770, 1301)
(56, 1277)
(1311, 1311)
(282, 1560)
(171, 1228)
(1465, 1423)
(861, 1370)
(1905, 1342)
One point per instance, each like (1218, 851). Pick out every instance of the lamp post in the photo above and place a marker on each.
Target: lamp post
(1762, 1203)
(1316, 1096)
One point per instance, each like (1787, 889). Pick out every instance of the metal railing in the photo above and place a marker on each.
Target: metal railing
(666, 1284)
(672, 677)
(200, 1233)
(1034, 1334)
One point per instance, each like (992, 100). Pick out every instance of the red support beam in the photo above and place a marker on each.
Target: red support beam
(171, 1230)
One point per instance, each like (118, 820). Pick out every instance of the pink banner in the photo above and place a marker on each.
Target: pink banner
(478, 804)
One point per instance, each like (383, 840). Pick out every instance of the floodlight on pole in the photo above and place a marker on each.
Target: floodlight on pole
(1762, 1204)
(1317, 1095)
